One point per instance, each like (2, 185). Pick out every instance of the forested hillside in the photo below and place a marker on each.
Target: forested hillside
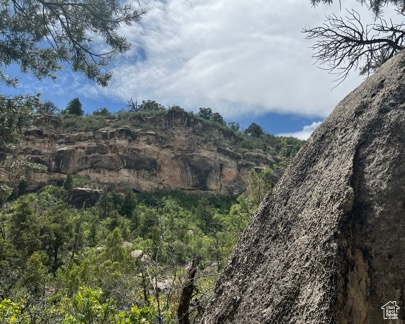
(124, 259)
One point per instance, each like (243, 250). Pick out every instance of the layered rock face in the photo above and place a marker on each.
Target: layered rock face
(328, 245)
(181, 153)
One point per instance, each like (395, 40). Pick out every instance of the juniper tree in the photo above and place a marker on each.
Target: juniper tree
(74, 107)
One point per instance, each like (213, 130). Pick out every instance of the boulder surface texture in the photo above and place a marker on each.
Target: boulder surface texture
(328, 244)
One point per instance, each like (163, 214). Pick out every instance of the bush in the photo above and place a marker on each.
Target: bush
(86, 124)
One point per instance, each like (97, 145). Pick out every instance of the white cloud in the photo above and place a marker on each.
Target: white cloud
(238, 57)
(303, 134)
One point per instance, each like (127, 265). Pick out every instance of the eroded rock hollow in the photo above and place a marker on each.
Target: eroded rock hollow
(328, 244)
(180, 153)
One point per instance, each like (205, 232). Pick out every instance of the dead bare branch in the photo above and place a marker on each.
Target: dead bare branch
(346, 44)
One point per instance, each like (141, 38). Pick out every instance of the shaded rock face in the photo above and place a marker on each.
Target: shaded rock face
(82, 197)
(178, 155)
(328, 245)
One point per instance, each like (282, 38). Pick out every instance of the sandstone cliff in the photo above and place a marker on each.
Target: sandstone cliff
(328, 245)
(181, 152)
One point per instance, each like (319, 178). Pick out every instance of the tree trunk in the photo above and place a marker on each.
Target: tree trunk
(187, 293)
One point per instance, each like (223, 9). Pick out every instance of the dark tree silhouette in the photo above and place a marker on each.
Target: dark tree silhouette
(74, 107)
(254, 130)
(343, 44)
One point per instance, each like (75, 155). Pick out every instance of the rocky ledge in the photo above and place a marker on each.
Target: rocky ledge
(177, 155)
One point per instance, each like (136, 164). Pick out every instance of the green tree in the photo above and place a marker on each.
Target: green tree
(101, 112)
(129, 203)
(56, 232)
(150, 105)
(204, 213)
(68, 183)
(69, 28)
(15, 113)
(114, 251)
(344, 44)
(105, 204)
(259, 184)
(10, 312)
(254, 130)
(234, 126)
(89, 306)
(216, 117)
(205, 113)
(241, 213)
(39, 36)
(24, 228)
(74, 107)
(47, 108)
(35, 275)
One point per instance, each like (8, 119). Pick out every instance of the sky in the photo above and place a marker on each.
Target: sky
(246, 59)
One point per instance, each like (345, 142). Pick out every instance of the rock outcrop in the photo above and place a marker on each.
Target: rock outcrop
(180, 153)
(328, 244)
(82, 197)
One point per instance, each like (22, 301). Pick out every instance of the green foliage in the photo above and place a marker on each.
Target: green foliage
(68, 183)
(217, 118)
(254, 130)
(24, 228)
(69, 29)
(47, 108)
(17, 173)
(74, 107)
(259, 184)
(114, 251)
(104, 264)
(10, 312)
(35, 276)
(137, 315)
(175, 108)
(5, 193)
(38, 35)
(15, 114)
(22, 186)
(234, 126)
(149, 105)
(89, 306)
(208, 114)
(84, 123)
(205, 113)
(101, 112)
(129, 203)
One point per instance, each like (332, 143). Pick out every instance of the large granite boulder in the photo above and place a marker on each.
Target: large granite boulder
(328, 245)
